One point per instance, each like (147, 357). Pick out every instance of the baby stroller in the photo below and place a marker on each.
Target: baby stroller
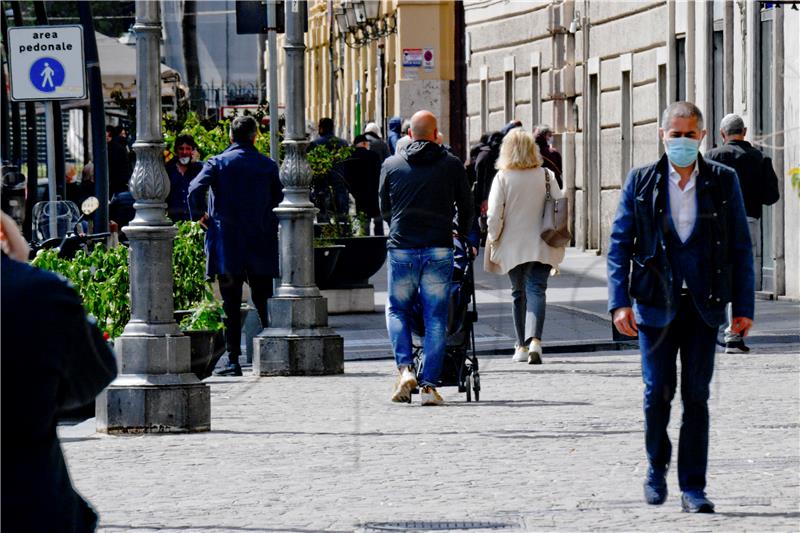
(460, 365)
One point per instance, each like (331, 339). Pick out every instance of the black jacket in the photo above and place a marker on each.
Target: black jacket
(362, 172)
(377, 145)
(119, 166)
(757, 178)
(551, 159)
(53, 359)
(420, 190)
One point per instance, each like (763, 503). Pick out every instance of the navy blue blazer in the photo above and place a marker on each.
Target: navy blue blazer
(638, 266)
(242, 227)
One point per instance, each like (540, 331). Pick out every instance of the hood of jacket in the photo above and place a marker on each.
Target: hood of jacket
(423, 152)
(395, 123)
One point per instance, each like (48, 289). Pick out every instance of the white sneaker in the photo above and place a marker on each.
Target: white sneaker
(406, 382)
(535, 352)
(520, 354)
(429, 396)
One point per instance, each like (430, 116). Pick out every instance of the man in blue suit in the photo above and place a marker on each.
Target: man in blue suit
(242, 239)
(680, 249)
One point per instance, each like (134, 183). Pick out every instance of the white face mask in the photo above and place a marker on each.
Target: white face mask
(184, 160)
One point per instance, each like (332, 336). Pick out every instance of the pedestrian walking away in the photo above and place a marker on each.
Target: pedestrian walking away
(513, 243)
(679, 251)
(181, 170)
(405, 139)
(376, 143)
(362, 173)
(759, 186)
(551, 159)
(242, 239)
(46, 335)
(422, 188)
(485, 170)
(395, 132)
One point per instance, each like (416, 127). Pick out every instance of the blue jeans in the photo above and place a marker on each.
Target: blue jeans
(529, 292)
(423, 273)
(689, 334)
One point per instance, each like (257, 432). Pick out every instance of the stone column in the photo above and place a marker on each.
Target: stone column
(298, 340)
(155, 392)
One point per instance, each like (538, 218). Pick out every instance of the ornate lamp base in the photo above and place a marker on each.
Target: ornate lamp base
(299, 341)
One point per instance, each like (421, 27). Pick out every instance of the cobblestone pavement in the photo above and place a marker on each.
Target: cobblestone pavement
(556, 447)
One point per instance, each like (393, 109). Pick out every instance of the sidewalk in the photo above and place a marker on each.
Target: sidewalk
(556, 447)
(577, 319)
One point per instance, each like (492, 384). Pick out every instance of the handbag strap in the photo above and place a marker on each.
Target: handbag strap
(547, 195)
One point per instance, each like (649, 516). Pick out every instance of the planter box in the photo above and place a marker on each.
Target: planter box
(325, 259)
(360, 259)
(354, 300)
(207, 347)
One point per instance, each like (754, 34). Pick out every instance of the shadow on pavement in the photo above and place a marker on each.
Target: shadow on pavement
(160, 527)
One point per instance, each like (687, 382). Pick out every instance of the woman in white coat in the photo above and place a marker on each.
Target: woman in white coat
(513, 243)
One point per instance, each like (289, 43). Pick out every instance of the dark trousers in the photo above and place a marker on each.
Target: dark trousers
(230, 287)
(695, 340)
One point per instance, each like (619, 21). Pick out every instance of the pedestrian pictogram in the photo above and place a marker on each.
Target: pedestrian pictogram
(47, 74)
(46, 62)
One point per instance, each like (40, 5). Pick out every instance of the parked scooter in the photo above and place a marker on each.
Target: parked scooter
(61, 225)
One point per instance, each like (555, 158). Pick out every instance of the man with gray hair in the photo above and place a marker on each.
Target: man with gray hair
(679, 251)
(242, 237)
(759, 186)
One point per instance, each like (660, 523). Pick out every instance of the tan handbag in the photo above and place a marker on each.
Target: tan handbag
(555, 219)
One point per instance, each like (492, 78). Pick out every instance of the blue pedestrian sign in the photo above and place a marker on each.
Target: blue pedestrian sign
(47, 74)
(46, 62)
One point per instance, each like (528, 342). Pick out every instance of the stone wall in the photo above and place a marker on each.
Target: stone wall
(634, 37)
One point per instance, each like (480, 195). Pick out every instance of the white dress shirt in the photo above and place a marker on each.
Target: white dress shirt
(683, 203)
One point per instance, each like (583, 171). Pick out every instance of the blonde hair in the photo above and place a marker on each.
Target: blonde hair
(518, 151)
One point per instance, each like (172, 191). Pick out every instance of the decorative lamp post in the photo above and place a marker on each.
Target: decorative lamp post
(298, 340)
(360, 22)
(155, 392)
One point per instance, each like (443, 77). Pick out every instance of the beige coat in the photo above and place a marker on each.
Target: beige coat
(516, 205)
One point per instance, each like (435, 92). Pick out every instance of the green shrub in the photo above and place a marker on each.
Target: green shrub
(101, 278)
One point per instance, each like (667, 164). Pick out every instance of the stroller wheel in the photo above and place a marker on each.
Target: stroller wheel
(476, 385)
(468, 387)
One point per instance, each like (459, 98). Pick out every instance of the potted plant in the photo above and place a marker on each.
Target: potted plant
(203, 325)
(101, 279)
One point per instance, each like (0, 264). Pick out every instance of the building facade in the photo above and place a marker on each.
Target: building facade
(412, 68)
(601, 72)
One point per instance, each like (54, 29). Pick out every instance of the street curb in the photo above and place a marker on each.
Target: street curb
(604, 345)
(592, 345)
(775, 338)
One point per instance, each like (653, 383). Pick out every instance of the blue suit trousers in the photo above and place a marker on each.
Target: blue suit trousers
(688, 334)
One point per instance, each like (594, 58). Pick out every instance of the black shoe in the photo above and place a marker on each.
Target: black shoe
(230, 370)
(736, 347)
(655, 487)
(695, 501)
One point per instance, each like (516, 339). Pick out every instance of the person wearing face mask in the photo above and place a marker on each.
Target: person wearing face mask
(679, 251)
(181, 170)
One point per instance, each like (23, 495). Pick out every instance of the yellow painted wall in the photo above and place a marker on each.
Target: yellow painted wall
(420, 24)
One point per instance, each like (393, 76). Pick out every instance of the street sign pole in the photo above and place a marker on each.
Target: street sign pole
(99, 146)
(52, 196)
(274, 119)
